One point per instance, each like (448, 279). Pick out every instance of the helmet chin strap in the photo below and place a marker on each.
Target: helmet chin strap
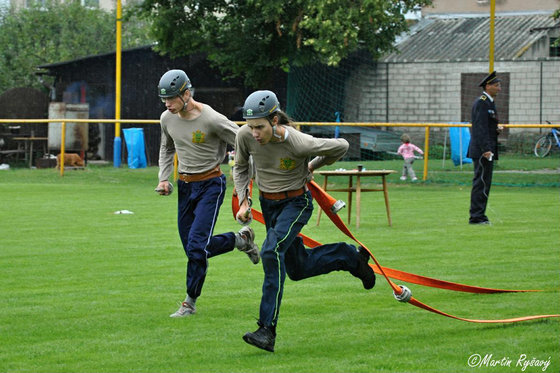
(274, 126)
(185, 103)
(275, 134)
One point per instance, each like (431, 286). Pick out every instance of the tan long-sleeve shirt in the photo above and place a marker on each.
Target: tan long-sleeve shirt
(200, 143)
(282, 166)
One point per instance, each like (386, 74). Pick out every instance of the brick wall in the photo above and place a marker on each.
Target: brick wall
(431, 92)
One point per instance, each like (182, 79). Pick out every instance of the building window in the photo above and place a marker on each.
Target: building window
(554, 47)
(90, 3)
(31, 3)
(42, 3)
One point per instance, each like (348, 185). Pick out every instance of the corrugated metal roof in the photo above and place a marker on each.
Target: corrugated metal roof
(467, 39)
(81, 59)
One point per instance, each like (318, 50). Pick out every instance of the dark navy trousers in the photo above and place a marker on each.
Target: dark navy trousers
(283, 252)
(198, 209)
(480, 191)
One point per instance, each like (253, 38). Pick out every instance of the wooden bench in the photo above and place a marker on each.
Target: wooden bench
(10, 153)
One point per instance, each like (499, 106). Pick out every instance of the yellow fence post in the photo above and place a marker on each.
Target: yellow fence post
(62, 142)
(491, 47)
(426, 152)
(175, 167)
(117, 141)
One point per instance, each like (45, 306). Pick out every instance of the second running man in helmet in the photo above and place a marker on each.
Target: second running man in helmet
(284, 165)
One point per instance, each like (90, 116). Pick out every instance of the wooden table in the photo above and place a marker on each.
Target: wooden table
(358, 189)
(28, 142)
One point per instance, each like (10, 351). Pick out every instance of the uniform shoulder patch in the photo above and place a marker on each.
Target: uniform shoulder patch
(483, 97)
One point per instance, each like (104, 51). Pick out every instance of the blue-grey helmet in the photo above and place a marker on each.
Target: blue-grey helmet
(260, 104)
(173, 83)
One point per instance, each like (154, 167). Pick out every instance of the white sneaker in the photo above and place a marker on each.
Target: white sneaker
(250, 248)
(414, 178)
(186, 309)
(403, 178)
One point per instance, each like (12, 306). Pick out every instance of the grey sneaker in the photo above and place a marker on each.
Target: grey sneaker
(186, 309)
(250, 248)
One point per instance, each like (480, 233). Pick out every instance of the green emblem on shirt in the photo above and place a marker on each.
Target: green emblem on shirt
(287, 164)
(198, 137)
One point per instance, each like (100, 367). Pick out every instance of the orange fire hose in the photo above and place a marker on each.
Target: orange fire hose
(325, 201)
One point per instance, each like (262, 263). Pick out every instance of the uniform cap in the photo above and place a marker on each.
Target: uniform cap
(490, 79)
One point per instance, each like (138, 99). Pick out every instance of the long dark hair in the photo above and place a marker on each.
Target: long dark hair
(283, 118)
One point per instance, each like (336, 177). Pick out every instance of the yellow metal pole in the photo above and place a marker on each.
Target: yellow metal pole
(175, 167)
(62, 144)
(491, 52)
(426, 152)
(117, 141)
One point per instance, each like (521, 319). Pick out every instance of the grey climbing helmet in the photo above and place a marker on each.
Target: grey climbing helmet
(173, 83)
(260, 104)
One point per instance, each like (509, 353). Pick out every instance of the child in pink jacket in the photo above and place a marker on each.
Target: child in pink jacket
(407, 150)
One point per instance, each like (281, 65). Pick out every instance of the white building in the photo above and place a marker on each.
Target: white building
(108, 5)
(434, 75)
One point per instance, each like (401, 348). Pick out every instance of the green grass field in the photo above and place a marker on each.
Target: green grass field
(87, 290)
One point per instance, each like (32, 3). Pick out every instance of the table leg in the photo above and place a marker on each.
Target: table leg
(358, 200)
(320, 210)
(349, 198)
(31, 154)
(19, 148)
(386, 195)
(26, 151)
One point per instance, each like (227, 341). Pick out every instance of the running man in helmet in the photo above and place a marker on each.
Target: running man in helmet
(199, 135)
(284, 165)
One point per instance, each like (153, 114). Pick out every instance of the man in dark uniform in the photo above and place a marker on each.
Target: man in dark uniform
(483, 148)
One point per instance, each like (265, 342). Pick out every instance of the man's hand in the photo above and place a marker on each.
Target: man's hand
(310, 167)
(244, 215)
(487, 155)
(164, 188)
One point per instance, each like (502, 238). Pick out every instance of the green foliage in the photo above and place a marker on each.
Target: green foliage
(135, 30)
(55, 32)
(556, 15)
(436, 152)
(251, 38)
(46, 34)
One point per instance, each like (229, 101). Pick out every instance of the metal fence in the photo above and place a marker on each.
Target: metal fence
(423, 135)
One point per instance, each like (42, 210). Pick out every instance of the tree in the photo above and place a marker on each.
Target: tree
(556, 16)
(248, 38)
(50, 33)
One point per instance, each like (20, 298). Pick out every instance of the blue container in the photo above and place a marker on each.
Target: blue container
(134, 138)
(459, 137)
